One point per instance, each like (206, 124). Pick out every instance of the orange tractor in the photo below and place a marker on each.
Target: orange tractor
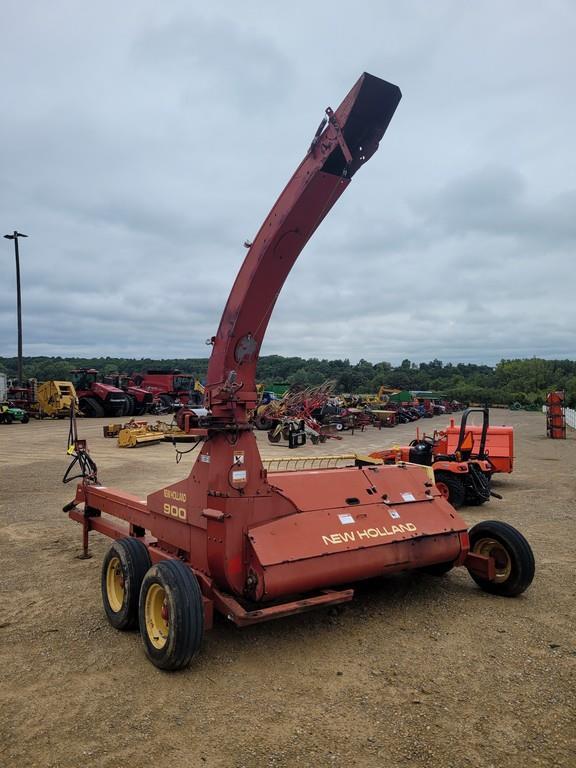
(462, 471)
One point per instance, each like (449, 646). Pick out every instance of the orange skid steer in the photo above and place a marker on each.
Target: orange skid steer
(257, 545)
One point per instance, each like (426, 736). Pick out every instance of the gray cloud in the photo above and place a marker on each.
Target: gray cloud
(252, 77)
(494, 201)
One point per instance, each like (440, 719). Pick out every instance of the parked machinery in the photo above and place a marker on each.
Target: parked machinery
(55, 399)
(97, 399)
(10, 413)
(463, 475)
(298, 415)
(257, 545)
(141, 399)
(24, 396)
(138, 432)
(171, 387)
(498, 443)
(50, 399)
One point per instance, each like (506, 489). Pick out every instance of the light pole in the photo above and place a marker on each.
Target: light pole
(14, 236)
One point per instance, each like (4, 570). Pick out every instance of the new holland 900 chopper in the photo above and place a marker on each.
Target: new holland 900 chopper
(257, 545)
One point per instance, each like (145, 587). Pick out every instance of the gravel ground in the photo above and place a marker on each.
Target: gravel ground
(416, 671)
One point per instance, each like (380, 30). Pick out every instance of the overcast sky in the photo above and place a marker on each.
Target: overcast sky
(142, 142)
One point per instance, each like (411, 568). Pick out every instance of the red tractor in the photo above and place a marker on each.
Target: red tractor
(141, 399)
(97, 399)
(172, 388)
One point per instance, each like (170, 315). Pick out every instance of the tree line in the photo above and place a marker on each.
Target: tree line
(525, 381)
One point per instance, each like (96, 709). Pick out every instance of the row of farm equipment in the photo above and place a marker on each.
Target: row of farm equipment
(317, 414)
(463, 456)
(314, 410)
(93, 395)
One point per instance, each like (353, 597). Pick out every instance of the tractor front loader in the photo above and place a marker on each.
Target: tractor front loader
(256, 545)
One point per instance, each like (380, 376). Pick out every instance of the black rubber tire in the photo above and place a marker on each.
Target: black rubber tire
(456, 489)
(130, 409)
(519, 551)
(122, 408)
(8, 418)
(186, 612)
(167, 402)
(475, 501)
(25, 419)
(274, 438)
(91, 408)
(261, 422)
(135, 562)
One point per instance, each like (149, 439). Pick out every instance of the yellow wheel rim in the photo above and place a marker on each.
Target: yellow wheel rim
(156, 615)
(495, 550)
(115, 584)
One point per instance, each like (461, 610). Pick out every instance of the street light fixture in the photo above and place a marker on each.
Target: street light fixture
(14, 236)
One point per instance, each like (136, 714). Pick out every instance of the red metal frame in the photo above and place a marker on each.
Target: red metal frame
(267, 545)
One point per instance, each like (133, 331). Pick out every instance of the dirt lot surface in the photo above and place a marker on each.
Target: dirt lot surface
(416, 671)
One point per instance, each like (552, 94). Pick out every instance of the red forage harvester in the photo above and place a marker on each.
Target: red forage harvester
(256, 545)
